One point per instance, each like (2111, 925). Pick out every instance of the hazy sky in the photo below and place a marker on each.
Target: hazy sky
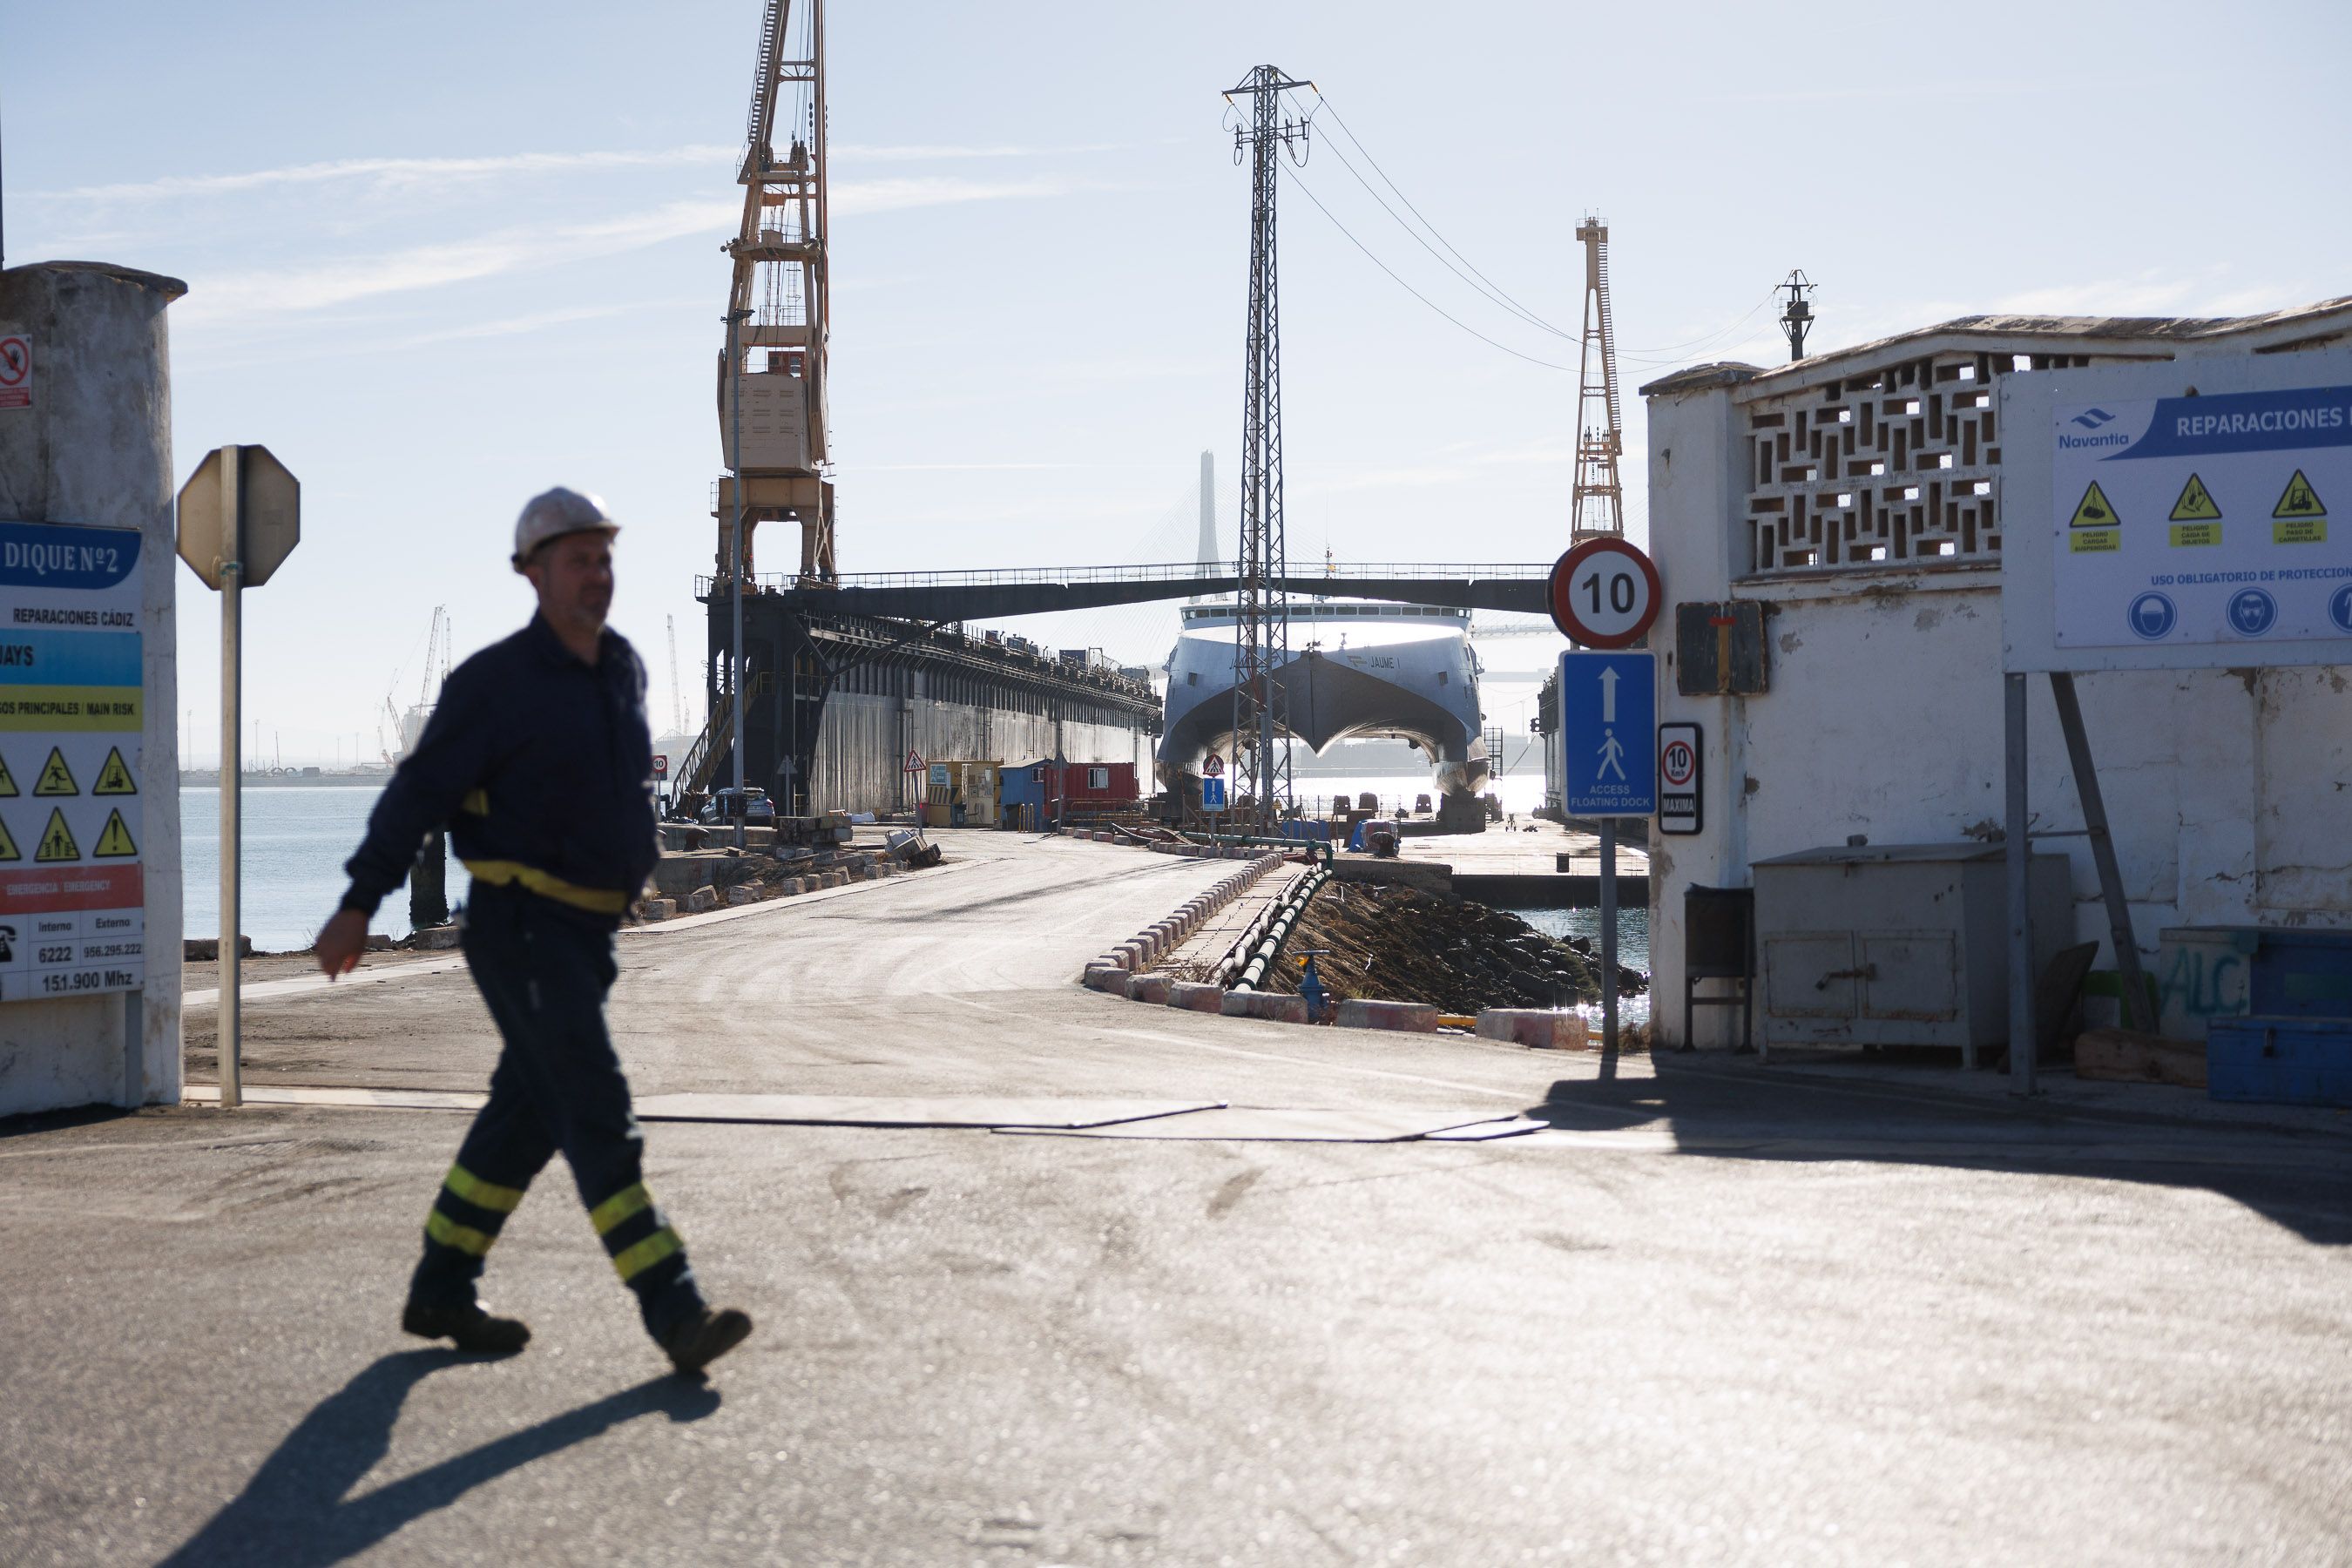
(442, 255)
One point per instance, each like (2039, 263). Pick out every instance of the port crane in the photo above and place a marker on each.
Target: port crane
(772, 374)
(396, 732)
(1597, 505)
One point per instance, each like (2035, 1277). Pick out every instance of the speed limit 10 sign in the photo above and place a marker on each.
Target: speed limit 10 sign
(1604, 593)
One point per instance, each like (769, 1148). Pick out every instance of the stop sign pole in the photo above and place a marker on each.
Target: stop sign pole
(240, 517)
(1604, 593)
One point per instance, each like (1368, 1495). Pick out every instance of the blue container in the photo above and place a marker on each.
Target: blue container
(2302, 974)
(2270, 1060)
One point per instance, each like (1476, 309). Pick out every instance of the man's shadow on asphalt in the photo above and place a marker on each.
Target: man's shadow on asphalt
(294, 1512)
(2303, 1182)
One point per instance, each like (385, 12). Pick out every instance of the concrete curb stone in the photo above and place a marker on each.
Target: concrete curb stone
(1364, 1013)
(1535, 1026)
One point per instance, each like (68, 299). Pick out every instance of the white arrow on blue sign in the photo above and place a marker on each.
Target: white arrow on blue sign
(1608, 731)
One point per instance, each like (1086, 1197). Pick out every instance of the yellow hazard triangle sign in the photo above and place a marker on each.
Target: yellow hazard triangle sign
(55, 777)
(115, 840)
(2196, 503)
(8, 851)
(114, 778)
(2300, 499)
(58, 839)
(7, 781)
(2092, 510)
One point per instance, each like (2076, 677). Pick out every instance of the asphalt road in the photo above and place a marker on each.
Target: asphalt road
(1718, 1315)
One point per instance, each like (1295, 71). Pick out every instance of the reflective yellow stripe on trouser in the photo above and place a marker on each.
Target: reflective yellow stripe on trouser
(514, 873)
(485, 1198)
(464, 1238)
(618, 1211)
(482, 1195)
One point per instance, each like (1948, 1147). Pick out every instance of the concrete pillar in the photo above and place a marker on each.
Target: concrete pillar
(95, 448)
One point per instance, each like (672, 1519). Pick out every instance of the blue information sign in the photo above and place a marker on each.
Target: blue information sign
(1607, 731)
(1213, 793)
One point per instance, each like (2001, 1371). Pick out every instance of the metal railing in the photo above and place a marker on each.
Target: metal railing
(1153, 571)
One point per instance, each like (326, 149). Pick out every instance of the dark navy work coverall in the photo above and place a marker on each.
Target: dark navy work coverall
(541, 766)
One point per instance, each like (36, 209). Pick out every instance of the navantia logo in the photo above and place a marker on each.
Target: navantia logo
(2092, 418)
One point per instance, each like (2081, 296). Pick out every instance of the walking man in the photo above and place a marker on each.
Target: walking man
(539, 758)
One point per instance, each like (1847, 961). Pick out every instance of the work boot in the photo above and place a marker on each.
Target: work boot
(476, 1332)
(706, 1336)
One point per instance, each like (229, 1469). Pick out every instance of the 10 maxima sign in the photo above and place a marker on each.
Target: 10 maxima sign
(1607, 722)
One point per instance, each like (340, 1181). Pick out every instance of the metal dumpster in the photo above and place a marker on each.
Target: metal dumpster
(1899, 945)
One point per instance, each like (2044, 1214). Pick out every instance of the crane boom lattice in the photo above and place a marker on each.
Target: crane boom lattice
(1597, 506)
(780, 296)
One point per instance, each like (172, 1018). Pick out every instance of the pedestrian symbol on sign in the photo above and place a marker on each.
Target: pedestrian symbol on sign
(1612, 755)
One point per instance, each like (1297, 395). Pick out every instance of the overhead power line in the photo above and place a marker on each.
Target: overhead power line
(1292, 174)
(1468, 271)
(1475, 278)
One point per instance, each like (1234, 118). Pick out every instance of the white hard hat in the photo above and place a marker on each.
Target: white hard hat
(553, 513)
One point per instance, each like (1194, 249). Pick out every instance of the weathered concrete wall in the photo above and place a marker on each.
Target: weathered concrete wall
(867, 737)
(96, 449)
(1884, 718)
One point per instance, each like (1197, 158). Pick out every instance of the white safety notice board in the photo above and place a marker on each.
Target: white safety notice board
(2216, 518)
(72, 896)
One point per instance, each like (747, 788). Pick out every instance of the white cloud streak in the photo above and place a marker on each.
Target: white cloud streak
(410, 172)
(426, 172)
(319, 285)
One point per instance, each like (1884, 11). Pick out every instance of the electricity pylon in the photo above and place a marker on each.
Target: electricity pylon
(1261, 770)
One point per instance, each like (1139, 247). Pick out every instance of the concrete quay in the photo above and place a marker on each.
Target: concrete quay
(1045, 1276)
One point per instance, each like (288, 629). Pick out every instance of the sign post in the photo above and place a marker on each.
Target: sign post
(1605, 594)
(1608, 722)
(1213, 786)
(2182, 524)
(240, 517)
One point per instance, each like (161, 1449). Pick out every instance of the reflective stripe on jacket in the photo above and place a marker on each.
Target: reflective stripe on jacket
(542, 768)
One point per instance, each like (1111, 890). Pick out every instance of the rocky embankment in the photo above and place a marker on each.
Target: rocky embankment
(1406, 945)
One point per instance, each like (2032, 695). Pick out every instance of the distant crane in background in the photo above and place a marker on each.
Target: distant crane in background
(395, 739)
(676, 699)
(1597, 506)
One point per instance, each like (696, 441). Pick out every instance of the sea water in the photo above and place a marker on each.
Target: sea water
(296, 841)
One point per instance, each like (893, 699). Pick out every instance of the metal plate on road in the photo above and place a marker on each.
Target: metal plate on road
(1608, 731)
(1604, 593)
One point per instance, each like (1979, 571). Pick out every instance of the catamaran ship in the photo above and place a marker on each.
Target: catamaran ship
(1358, 668)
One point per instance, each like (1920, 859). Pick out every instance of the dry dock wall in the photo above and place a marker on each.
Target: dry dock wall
(866, 737)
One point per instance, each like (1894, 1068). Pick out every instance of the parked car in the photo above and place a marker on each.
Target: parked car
(751, 803)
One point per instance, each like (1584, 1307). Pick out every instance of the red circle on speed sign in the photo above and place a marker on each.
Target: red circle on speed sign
(1604, 593)
(1678, 762)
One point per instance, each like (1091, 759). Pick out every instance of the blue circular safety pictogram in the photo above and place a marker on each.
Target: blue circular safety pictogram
(2339, 608)
(2252, 612)
(2152, 617)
